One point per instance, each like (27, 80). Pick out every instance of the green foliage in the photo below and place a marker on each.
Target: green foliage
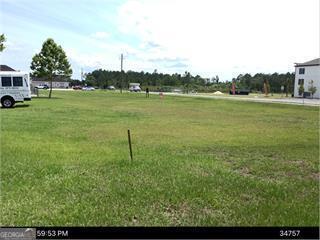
(75, 82)
(188, 82)
(312, 88)
(274, 82)
(197, 162)
(51, 62)
(2, 40)
(301, 89)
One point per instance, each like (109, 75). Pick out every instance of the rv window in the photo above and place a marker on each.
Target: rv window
(6, 81)
(17, 82)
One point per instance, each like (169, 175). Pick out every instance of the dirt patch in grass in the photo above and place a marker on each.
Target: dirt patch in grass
(245, 171)
(177, 213)
(315, 176)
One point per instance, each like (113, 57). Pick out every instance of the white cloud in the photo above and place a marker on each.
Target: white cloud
(216, 36)
(100, 35)
(90, 60)
(104, 55)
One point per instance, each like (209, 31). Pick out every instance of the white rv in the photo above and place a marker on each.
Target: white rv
(134, 87)
(14, 87)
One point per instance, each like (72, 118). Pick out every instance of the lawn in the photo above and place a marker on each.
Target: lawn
(251, 95)
(197, 162)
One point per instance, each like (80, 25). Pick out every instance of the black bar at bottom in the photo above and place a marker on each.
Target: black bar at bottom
(177, 232)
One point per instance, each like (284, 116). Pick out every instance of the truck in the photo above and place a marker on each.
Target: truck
(134, 87)
(14, 88)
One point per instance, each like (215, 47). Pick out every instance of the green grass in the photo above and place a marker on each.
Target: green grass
(251, 95)
(199, 162)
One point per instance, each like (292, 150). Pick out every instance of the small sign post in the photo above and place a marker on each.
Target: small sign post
(130, 147)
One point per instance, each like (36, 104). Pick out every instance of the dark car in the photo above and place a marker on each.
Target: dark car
(77, 87)
(240, 92)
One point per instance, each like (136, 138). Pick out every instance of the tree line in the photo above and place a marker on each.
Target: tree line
(52, 62)
(283, 82)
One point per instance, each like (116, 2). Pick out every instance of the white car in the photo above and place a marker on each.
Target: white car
(88, 88)
(45, 86)
(135, 89)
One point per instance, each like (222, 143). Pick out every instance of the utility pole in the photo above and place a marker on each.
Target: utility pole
(121, 74)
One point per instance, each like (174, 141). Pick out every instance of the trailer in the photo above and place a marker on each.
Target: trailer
(14, 87)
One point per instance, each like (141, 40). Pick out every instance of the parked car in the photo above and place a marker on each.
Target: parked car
(177, 90)
(88, 88)
(135, 89)
(77, 87)
(44, 86)
(240, 92)
(111, 88)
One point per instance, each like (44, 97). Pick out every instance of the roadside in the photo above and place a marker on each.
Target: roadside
(252, 98)
(295, 101)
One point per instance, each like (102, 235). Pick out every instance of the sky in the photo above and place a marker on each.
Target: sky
(205, 37)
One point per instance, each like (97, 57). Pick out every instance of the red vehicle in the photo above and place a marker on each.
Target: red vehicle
(77, 87)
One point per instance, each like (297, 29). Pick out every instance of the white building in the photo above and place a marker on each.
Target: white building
(305, 73)
(58, 82)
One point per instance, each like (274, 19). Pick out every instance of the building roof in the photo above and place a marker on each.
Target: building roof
(45, 79)
(6, 68)
(314, 62)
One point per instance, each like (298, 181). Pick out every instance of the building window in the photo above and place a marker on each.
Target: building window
(301, 70)
(17, 81)
(6, 81)
(300, 81)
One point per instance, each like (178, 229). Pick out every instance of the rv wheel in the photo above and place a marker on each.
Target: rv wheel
(7, 102)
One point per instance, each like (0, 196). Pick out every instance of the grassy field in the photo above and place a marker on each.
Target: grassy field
(199, 162)
(251, 95)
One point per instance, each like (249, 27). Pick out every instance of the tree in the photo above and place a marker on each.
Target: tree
(301, 89)
(90, 80)
(2, 40)
(217, 79)
(51, 62)
(186, 81)
(287, 86)
(245, 81)
(312, 88)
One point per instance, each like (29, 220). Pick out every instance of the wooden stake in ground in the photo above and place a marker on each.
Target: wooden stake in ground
(130, 147)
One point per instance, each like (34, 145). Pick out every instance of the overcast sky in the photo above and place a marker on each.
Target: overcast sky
(205, 37)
